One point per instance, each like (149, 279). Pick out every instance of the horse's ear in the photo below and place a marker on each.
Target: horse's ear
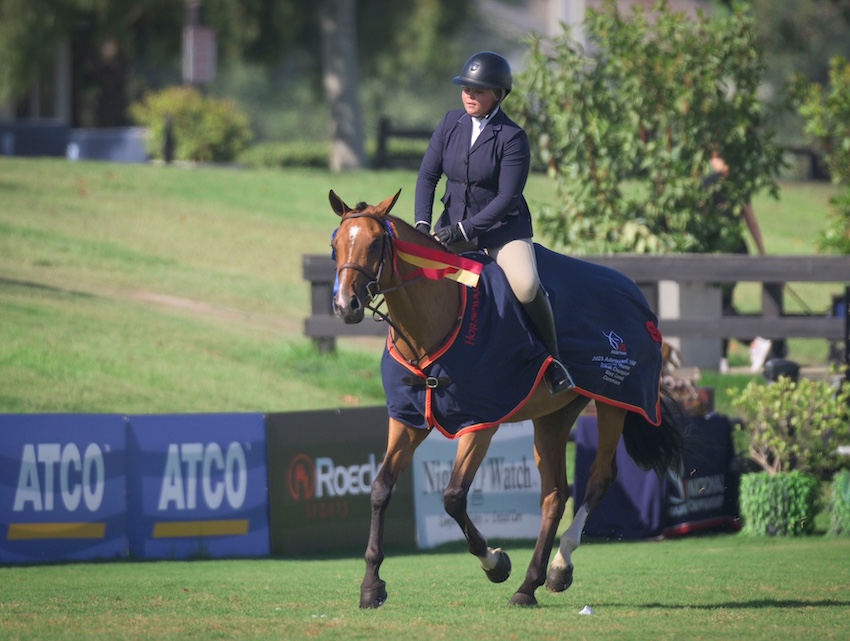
(384, 207)
(337, 205)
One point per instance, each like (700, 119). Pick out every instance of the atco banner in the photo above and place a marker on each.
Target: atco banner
(197, 486)
(322, 465)
(62, 481)
(504, 501)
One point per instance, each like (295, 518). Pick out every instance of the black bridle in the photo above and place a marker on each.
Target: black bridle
(373, 286)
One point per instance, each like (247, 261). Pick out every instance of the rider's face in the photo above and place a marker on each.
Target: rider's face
(478, 102)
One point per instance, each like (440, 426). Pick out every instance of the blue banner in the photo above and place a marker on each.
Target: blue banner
(197, 486)
(62, 487)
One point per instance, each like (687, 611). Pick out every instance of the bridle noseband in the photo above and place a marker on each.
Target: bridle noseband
(373, 286)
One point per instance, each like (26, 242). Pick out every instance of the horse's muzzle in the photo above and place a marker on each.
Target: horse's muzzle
(351, 311)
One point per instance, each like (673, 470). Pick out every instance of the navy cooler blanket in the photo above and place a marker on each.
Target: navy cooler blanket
(606, 332)
(493, 363)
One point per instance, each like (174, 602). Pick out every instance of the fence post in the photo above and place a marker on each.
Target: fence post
(381, 150)
(690, 300)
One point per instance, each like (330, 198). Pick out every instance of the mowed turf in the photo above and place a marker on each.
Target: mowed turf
(150, 289)
(705, 588)
(145, 288)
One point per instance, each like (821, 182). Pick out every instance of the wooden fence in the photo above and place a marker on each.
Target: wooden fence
(696, 315)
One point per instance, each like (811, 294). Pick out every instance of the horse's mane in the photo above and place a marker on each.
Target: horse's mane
(410, 232)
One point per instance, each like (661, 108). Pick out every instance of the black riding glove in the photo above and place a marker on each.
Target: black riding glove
(450, 235)
(423, 227)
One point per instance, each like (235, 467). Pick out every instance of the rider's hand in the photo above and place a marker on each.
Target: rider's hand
(450, 235)
(423, 226)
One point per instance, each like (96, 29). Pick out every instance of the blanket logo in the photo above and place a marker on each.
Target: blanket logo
(616, 342)
(617, 365)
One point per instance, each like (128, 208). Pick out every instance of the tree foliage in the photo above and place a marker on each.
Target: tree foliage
(827, 116)
(627, 126)
(117, 45)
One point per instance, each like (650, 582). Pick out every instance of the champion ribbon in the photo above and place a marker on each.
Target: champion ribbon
(436, 264)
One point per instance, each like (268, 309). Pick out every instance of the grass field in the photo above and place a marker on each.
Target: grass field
(723, 587)
(150, 289)
(145, 288)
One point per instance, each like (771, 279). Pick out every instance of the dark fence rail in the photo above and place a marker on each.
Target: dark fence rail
(386, 131)
(649, 271)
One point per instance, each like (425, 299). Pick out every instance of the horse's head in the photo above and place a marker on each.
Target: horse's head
(361, 246)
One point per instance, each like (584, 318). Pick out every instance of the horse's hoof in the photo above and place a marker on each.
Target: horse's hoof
(501, 572)
(523, 600)
(373, 597)
(559, 579)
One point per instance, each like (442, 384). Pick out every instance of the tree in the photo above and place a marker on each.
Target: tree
(627, 127)
(341, 80)
(115, 36)
(827, 118)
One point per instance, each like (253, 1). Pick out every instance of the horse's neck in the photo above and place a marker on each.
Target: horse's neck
(424, 310)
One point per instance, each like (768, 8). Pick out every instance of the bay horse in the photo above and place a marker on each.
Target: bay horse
(423, 313)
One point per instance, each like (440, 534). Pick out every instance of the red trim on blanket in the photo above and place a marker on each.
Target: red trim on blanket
(429, 415)
(656, 422)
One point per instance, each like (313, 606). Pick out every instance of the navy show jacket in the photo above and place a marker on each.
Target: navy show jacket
(484, 183)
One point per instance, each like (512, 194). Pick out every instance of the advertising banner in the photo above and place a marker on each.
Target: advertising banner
(633, 507)
(504, 501)
(321, 468)
(62, 487)
(707, 497)
(640, 505)
(197, 486)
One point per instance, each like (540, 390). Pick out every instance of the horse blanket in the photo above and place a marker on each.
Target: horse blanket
(491, 366)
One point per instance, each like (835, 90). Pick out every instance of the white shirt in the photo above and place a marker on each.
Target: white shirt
(478, 125)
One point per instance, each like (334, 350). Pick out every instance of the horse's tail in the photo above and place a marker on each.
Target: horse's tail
(657, 448)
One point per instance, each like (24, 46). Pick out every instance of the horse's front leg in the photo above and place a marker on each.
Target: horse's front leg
(603, 471)
(471, 450)
(402, 441)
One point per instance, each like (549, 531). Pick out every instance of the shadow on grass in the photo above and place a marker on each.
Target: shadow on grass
(757, 604)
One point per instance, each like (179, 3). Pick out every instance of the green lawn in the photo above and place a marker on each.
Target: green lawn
(150, 288)
(700, 589)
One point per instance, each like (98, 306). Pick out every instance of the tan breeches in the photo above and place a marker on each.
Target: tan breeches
(516, 258)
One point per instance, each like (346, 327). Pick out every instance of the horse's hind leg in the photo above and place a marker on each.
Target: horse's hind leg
(603, 471)
(471, 450)
(550, 445)
(401, 443)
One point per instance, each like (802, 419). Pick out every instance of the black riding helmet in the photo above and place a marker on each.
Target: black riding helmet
(486, 70)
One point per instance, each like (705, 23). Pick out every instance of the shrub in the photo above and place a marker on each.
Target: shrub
(205, 129)
(840, 504)
(794, 425)
(779, 505)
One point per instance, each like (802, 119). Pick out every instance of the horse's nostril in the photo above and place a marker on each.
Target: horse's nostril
(355, 304)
